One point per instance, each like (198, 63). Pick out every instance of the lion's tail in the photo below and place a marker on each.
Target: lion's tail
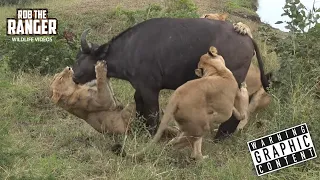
(167, 117)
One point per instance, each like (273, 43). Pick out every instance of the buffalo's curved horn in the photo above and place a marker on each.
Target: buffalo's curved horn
(85, 46)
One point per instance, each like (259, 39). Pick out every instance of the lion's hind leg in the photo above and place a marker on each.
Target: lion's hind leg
(260, 99)
(197, 149)
(240, 110)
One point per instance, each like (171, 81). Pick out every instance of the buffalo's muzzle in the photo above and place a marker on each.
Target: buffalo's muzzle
(75, 80)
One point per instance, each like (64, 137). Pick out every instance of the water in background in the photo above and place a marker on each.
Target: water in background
(270, 11)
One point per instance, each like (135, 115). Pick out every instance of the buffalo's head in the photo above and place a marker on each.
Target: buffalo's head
(86, 59)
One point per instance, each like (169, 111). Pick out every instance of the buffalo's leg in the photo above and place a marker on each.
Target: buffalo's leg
(226, 128)
(151, 108)
(139, 104)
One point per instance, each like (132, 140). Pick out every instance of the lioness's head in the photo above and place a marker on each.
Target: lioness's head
(216, 16)
(208, 63)
(62, 84)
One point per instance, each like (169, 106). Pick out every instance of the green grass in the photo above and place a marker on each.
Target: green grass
(242, 8)
(41, 141)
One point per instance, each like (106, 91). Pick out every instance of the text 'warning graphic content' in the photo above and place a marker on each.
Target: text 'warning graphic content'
(282, 149)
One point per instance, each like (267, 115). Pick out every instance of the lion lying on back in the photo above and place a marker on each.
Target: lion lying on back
(200, 102)
(95, 105)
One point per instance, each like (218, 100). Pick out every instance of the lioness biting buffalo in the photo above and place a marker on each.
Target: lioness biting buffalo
(96, 105)
(198, 103)
(94, 102)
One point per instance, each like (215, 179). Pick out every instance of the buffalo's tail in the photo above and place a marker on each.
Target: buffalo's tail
(263, 77)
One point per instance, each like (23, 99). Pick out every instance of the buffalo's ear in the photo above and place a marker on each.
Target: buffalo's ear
(101, 51)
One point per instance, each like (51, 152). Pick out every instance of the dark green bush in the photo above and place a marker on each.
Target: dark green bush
(45, 57)
(299, 71)
(299, 53)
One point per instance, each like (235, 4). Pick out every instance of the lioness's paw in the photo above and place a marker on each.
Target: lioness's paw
(242, 123)
(205, 156)
(243, 117)
(101, 67)
(242, 29)
(243, 85)
(199, 158)
(239, 127)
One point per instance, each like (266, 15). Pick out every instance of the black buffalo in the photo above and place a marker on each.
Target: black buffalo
(162, 53)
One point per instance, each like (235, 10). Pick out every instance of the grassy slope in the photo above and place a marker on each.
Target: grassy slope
(47, 143)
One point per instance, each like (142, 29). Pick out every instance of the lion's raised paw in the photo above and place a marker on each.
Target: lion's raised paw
(101, 67)
(242, 28)
(238, 27)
